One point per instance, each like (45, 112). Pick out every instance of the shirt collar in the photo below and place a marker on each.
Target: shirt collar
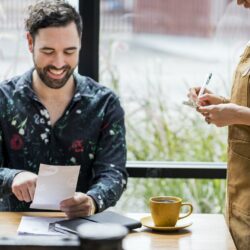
(83, 86)
(24, 83)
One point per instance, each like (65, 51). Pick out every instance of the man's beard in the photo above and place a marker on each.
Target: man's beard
(54, 83)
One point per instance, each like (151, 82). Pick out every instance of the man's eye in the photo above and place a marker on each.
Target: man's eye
(69, 52)
(48, 52)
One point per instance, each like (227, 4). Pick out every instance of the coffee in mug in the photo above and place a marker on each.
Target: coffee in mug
(165, 210)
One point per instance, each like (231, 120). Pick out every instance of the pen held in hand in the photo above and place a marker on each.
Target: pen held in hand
(193, 103)
(203, 87)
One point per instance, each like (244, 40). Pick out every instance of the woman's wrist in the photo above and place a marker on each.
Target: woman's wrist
(224, 100)
(242, 115)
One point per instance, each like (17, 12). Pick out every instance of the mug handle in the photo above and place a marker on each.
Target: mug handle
(189, 212)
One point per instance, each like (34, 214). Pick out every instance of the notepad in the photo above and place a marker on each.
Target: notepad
(103, 217)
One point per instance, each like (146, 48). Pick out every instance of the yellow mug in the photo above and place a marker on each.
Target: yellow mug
(165, 210)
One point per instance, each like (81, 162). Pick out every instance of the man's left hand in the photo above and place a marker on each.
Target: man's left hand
(77, 206)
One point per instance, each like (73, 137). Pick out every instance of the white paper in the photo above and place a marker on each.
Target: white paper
(54, 184)
(37, 225)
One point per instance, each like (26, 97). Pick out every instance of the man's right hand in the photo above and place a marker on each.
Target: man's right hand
(23, 186)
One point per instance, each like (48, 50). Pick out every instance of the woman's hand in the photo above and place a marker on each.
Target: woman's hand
(208, 98)
(222, 114)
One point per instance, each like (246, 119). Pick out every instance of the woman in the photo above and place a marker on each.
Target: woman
(234, 113)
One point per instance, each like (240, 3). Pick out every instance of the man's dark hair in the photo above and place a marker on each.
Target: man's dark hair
(51, 13)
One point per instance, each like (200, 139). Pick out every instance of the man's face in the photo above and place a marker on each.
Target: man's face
(55, 54)
(246, 3)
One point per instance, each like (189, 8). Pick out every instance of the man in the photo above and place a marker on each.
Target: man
(235, 114)
(54, 116)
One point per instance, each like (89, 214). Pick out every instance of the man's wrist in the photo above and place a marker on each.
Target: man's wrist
(93, 206)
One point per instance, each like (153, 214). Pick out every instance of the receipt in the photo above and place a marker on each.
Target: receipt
(54, 184)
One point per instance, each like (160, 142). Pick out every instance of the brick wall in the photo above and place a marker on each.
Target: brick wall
(177, 17)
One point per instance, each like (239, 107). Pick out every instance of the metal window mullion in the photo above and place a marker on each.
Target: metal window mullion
(89, 54)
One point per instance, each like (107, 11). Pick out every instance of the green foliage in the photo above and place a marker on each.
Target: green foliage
(207, 196)
(180, 137)
(177, 137)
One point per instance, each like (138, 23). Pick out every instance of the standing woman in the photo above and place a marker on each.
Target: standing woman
(234, 113)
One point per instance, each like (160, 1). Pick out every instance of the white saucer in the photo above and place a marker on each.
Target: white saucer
(148, 222)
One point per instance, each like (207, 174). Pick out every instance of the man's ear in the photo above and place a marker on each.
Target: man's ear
(30, 42)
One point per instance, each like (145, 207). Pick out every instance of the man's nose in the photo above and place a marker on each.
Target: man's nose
(58, 61)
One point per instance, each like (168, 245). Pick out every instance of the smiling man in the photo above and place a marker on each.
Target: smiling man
(54, 116)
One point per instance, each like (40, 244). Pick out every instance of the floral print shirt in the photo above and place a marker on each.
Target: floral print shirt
(90, 133)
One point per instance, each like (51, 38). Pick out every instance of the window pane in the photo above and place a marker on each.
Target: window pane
(152, 52)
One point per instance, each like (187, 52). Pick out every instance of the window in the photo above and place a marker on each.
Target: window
(151, 53)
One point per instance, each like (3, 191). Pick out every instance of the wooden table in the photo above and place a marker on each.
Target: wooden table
(208, 232)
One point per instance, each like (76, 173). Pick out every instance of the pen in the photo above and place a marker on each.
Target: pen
(203, 87)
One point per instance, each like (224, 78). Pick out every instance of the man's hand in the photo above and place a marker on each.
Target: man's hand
(79, 205)
(24, 185)
(221, 115)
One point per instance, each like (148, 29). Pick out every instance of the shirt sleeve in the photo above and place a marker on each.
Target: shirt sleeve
(110, 175)
(6, 174)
